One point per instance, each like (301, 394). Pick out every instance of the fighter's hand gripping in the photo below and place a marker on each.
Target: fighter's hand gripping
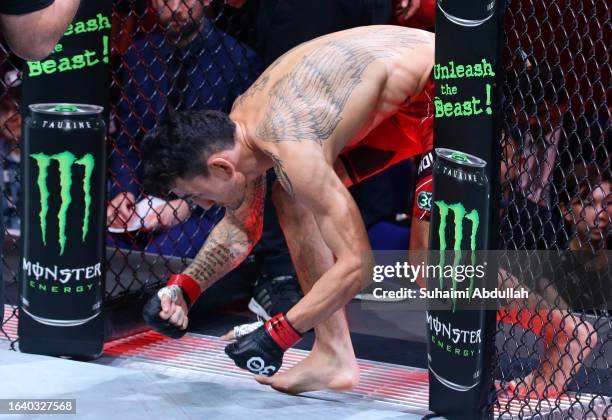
(261, 350)
(167, 311)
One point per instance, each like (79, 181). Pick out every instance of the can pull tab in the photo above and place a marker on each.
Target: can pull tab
(65, 108)
(459, 157)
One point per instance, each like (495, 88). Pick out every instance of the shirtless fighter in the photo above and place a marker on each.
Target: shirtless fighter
(330, 112)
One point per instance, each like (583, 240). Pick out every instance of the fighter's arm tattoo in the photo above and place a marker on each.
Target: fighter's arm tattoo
(307, 103)
(232, 239)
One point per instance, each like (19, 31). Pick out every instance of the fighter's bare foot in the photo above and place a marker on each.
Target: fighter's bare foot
(561, 360)
(321, 369)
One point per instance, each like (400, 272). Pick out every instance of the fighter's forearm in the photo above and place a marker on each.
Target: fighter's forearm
(225, 248)
(331, 292)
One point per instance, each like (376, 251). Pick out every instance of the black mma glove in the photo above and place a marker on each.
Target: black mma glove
(261, 351)
(182, 283)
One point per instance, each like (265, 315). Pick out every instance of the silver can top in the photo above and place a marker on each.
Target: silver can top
(66, 109)
(470, 14)
(460, 158)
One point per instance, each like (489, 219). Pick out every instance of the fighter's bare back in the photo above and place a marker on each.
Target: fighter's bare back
(335, 89)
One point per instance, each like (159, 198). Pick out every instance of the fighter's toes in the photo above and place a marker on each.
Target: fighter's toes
(264, 380)
(277, 383)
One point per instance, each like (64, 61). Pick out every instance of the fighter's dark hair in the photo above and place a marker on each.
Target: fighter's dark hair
(181, 146)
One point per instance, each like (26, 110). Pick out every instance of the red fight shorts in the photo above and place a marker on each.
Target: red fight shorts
(407, 133)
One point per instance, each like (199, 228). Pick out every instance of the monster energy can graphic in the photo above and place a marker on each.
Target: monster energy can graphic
(459, 223)
(61, 266)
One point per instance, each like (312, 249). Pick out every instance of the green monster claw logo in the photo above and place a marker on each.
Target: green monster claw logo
(65, 161)
(460, 213)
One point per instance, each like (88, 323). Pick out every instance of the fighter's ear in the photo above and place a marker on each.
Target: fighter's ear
(221, 167)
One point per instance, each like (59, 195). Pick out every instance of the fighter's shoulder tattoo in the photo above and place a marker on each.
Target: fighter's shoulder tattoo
(260, 83)
(307, 103)
(258, 86)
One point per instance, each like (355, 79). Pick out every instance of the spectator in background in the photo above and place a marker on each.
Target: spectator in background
(187, 64)
(586, 203)
(584, 276)
(33, 27)
(537, 104)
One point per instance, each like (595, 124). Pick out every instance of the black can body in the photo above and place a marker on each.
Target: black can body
(62, 261)
(459, 223)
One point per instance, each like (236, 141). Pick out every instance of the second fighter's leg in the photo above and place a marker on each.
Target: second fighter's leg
(331, 364)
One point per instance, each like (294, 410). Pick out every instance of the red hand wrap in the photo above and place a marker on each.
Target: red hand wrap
(282, 331)
(189, 285)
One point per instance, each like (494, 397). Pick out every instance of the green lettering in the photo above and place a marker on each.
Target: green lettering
(476, 106)
(78, 61)
(460, 70)
(54, 289)
(35, 69)
(67, 289)
(105, 48)
(488, 68)
(448, 109)
(88, 56)
(103, 22)
(49, 66)
(79, 28)
(92, 25)
(79, 289)
(439, 107)
(64, 64)
(457, 110)
(467, 109)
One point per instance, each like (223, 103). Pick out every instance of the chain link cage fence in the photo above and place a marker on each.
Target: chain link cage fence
(555, 173)
(556, 197)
